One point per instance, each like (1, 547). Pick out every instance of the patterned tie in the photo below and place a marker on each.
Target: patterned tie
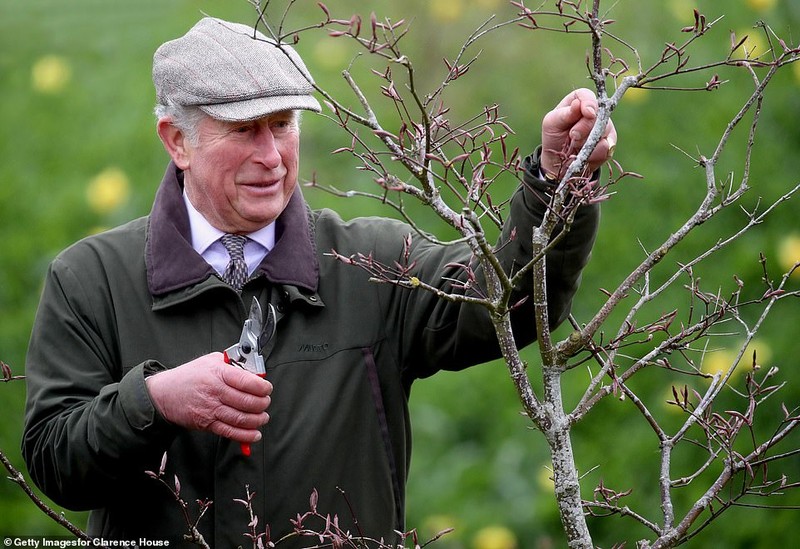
(236, 272)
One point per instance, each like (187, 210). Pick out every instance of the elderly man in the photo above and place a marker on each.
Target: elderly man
(125, 363)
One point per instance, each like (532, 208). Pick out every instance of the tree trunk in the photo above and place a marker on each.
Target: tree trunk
(565, 473)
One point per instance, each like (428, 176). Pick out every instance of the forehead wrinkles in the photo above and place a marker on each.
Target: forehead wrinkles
(213, 131)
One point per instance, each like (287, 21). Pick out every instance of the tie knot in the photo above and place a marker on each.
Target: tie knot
(234, 243)
(236, 272)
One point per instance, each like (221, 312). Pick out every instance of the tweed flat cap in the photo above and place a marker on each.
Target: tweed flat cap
(231, 73)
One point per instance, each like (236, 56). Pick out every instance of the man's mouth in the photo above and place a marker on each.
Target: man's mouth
(265, 185)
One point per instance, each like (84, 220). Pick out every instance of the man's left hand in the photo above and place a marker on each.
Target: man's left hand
(565, 130)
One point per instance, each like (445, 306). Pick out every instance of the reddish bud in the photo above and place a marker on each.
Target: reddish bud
(163, 465)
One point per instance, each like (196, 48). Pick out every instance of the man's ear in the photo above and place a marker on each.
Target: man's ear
(174, 142)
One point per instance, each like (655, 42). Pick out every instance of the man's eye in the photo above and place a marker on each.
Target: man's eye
(281, 125)
(242, 129)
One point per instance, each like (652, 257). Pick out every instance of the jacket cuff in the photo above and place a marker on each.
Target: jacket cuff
(533, 175)
(137, 406)
(533, 178)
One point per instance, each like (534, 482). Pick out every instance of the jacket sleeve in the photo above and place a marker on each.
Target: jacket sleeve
(86, 424)
(453, 336)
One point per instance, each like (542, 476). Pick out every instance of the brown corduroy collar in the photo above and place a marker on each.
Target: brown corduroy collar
(173, 264)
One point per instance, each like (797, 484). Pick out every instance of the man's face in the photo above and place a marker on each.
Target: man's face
(241, 175)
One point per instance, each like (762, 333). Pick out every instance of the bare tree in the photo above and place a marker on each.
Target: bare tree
(450, 165)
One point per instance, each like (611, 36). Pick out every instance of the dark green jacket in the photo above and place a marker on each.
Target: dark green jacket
(138, 298)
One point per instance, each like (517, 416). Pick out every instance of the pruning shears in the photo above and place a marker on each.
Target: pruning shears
(246, 353)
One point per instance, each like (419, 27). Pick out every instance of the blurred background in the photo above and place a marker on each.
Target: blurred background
(78, 154)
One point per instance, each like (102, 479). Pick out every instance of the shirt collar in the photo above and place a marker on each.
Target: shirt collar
(173, 264)
(204, 234)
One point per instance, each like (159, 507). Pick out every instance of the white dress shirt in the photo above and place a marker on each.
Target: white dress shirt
(206, 241)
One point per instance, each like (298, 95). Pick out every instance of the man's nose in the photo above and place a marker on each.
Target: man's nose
(267, 150)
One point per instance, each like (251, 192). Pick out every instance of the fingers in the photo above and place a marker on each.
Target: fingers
(207, 394)
(242, 399)
(585, 97)
(231, 422)
(236, 425)
(234, 433)
(245, 381)
(577, 106)
(566, 128)
(582, 115)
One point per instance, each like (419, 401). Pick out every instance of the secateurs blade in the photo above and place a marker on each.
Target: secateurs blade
(246, 353)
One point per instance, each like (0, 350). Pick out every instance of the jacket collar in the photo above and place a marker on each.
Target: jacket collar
(172, 263)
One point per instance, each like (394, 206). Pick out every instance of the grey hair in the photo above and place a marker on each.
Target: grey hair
(187, 119)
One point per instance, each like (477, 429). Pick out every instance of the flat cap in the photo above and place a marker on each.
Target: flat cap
(231, 72)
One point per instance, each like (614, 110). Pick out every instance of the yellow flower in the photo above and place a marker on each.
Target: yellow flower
(494, 537)
(761, 5)
(755, 45)
(489, 4)
(720, 361)
(544, 478)
(717, 362)
(789, 247)
(50, 74)
(763, 355)
(97, 229)
(108, 190)
(682, 10)
(446, 10)
(435, 524)
(632, 95)
(636, 95)
(331, 53)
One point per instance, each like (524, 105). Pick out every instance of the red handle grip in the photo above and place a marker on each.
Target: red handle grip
(246, 445)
